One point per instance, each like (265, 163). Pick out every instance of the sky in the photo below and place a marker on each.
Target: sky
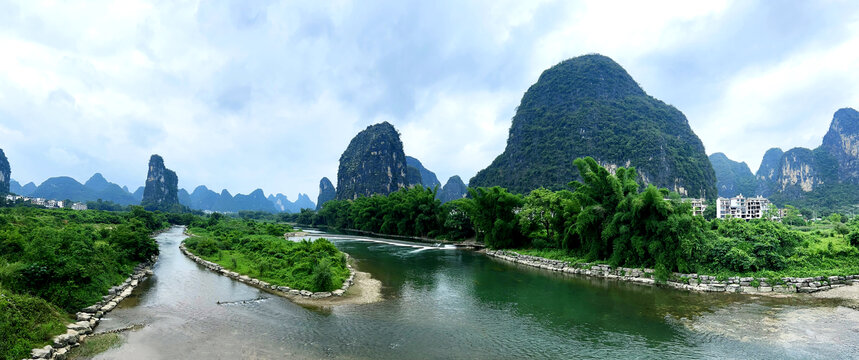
(264, 94)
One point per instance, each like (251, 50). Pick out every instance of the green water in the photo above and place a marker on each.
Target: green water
(445, 303)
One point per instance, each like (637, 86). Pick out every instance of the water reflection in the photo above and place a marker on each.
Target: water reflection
(443, 303)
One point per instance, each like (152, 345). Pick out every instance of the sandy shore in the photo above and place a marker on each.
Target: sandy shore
(365, 290)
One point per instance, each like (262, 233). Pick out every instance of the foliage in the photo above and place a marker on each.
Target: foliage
(26, 322)
(412, 212)
(53, 261)
(493, 211)
(258, 249)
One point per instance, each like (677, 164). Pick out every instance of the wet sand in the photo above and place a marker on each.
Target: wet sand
(365, 290)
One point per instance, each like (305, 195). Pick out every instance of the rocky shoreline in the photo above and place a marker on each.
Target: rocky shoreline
(284, 291)
(690, 282)
(89, 317)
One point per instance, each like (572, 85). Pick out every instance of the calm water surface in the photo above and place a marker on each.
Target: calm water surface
(448, 304)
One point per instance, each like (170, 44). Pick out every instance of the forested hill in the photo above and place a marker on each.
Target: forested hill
(733, 178)
(590, 106)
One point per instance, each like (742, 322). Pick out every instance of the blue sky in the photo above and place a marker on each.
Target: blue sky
(244, 95)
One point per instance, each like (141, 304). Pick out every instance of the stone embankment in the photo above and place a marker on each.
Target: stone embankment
(691, 282)
(284, 291)
(89, 317)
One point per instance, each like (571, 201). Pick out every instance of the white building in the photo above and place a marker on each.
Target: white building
(698, 205)
(742, 207)
(78, 206)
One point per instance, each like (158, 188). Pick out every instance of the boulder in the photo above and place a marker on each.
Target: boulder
(306, 293)
(80, 326)
(320, 295)
(42, 353)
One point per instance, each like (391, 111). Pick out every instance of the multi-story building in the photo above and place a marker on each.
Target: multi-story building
(742, 207)
(78, 206)
(698, 205)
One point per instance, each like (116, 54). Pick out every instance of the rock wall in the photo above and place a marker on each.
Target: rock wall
(373, 163)
(161, 191)
(326, 192)
(5, 173)
(284, 291)
(691, 282)
(89, 317)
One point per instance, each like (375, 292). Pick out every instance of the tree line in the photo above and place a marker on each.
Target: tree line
(606, 217)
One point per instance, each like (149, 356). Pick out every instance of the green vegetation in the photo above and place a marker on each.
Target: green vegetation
(258, 249)
(27, 322)
(412, 212)
(608, 218)
(54, 262)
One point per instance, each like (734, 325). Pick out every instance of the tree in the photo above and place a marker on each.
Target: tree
(493, 212)
(792, 216)
(455, 222)
(541, 217)
(599, 195)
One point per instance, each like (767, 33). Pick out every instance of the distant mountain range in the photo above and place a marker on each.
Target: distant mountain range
(97, 187)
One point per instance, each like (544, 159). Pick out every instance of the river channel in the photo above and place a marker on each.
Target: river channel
(442, 303)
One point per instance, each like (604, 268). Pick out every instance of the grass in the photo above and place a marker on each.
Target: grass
(555, 254)
(314, 266)
(27, 322)
(94, 345)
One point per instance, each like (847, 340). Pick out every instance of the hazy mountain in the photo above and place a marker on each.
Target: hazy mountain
(453, 189)
(428, 178)
(25, 190)
(255, 201)
(64, 187)
(326, 192)
(733, 178)
(108, 191)
(413, 176)
(138, 194)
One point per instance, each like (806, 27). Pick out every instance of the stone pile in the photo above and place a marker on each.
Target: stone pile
(692, 282)
(89, 317)
(279, 290)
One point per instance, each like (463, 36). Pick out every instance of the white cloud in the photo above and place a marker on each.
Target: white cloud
(242, 95)
(789, 104)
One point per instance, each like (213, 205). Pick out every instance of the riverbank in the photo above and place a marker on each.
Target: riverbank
(689, 282)
(365, 290)
(89, 317)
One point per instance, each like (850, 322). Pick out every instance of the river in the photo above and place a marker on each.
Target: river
(454, 304)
